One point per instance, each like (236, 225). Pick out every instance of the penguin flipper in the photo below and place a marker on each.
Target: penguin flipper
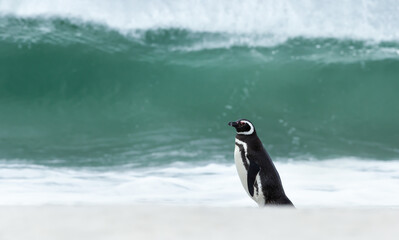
(253, 171)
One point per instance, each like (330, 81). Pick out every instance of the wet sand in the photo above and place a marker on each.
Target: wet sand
(173, 222)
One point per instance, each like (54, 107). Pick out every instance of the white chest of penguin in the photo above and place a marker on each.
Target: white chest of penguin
(241, 169)
(242, 163)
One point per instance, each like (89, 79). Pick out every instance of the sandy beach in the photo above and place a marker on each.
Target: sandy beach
(173, 222)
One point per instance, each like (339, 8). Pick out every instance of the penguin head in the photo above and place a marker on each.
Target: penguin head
(243, 126)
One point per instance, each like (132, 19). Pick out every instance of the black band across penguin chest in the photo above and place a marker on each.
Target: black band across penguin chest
(243, 155)
(252, 169)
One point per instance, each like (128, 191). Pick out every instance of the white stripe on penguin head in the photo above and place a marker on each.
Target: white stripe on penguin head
(250, 131)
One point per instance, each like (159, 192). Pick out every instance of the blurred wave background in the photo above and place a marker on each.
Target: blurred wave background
(105, 87)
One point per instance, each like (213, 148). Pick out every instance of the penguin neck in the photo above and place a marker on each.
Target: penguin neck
(253, 138)
(252, 141)
(243, 136)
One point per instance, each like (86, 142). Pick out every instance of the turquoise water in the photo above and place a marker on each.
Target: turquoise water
(134, 85)
(84, 94)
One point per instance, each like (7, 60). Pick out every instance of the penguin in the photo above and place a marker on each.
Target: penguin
(256, 170)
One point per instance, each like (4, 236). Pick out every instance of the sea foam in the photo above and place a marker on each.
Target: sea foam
(343, 19)
(344, 182)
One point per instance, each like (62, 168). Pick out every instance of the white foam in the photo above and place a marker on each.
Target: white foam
(365, 20)
(342, 182)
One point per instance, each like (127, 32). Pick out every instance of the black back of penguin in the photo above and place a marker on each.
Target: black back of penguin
(260, 163)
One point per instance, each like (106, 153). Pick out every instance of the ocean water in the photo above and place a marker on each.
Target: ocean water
(128, 101)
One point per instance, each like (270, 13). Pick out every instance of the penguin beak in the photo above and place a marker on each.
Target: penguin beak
(233, 124)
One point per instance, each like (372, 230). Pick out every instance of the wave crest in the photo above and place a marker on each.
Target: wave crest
(365, 20)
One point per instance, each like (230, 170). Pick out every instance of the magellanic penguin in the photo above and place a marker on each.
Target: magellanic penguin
(257, 172)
